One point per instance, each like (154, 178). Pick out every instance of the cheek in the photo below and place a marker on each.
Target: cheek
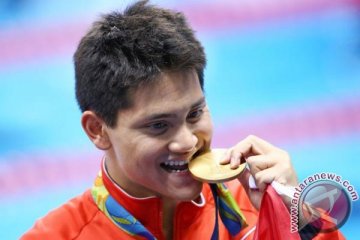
(145, 151)
(205, 127)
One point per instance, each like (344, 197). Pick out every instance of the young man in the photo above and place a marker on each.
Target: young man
(139, 84)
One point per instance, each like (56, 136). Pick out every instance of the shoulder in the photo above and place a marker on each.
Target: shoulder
(67, 221)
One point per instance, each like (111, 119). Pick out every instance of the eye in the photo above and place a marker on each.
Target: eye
(195, 115)
(157, 127)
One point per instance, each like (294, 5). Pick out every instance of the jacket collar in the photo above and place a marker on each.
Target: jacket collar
(148, 210)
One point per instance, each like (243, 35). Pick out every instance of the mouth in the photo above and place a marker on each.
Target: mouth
(177, 166)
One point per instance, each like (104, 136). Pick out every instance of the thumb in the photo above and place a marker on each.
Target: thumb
(244, 179)
(253, 193)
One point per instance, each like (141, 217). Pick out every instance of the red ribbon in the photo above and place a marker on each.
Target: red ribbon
(274, 218)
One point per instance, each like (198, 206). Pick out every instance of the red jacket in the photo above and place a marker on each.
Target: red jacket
(80, 218)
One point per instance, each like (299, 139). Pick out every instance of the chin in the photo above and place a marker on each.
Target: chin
(188, 194)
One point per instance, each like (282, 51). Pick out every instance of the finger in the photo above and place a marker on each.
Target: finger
(254, 195)
(281, 179)
(264, 177)
(244, 147)
(235, 159)
(258, 163)
(244, 179)
(258, 145)
(227, 157)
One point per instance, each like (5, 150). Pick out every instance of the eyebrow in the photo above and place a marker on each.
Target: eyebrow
(156, 116)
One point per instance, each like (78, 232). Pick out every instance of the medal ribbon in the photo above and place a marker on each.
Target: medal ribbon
(229, 212)
(117, 213)
(225, 205)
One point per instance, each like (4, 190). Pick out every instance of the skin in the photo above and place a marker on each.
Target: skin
(266, 163)
(170, 121)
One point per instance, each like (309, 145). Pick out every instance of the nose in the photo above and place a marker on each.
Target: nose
(184, 141)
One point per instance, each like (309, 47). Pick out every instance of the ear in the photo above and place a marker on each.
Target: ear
(95, 127)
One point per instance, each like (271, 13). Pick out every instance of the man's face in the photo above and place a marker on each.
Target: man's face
(154, 140)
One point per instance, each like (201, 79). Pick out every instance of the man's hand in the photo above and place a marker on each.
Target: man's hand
(266, 163)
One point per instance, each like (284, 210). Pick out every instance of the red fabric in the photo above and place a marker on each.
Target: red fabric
(274, 218)
(80, 219)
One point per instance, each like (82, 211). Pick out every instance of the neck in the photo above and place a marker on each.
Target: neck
(169, 206)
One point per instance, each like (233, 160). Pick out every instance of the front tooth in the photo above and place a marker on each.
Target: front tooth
(175, 163)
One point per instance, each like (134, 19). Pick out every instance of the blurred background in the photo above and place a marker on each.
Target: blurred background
(287, 71)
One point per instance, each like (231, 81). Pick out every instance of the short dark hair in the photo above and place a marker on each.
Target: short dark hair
(124, 50)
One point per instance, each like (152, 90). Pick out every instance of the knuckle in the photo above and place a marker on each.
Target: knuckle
(250, 161)
(282, 157)
(258, 177)
(237, 154)
(285, 154)
(250, 137)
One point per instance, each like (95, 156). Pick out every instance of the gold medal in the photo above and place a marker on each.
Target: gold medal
(207, 167)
